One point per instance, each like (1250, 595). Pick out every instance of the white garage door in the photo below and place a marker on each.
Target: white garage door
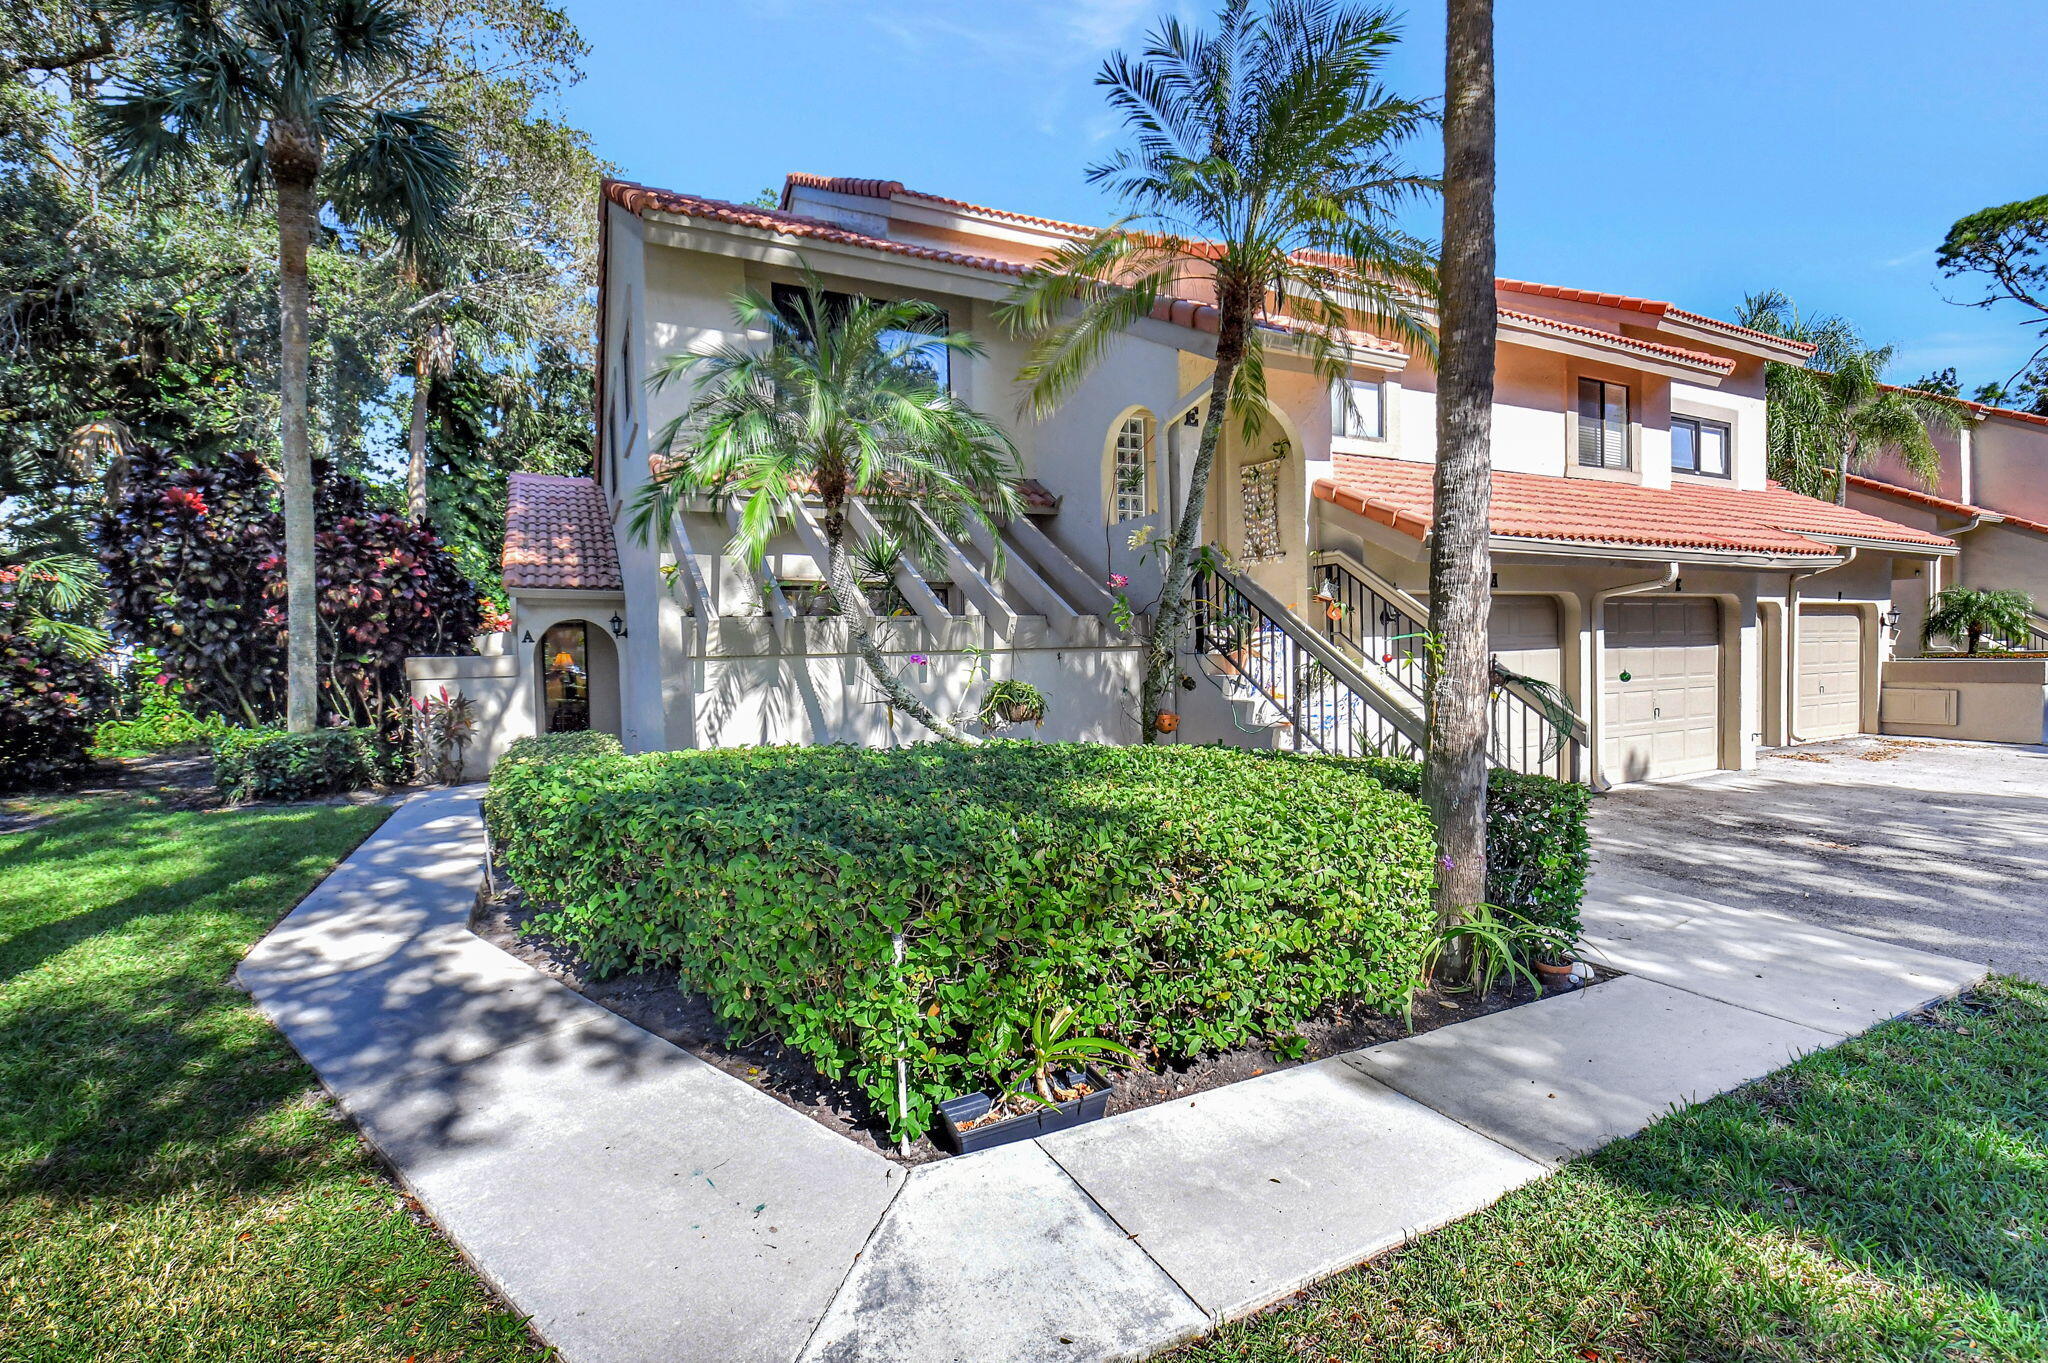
(1523, 635)
(1662, 689)
(1830, 673)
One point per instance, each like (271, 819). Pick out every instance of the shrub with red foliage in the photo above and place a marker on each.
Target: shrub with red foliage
(195, 566)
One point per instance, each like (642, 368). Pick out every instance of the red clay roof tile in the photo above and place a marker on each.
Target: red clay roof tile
(1535, 506)
(1941, 504)
(558, 535)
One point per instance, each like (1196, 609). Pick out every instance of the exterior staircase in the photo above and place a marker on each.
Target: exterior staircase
(1358, 686)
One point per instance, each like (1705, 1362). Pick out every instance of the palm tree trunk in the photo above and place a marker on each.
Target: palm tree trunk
(295, 215)
(416, 437)
(851, 606)
(1460, 568)
(1842, 474)
(1171, 623)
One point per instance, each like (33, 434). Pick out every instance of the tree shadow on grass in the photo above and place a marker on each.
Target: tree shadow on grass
(1918, 1152)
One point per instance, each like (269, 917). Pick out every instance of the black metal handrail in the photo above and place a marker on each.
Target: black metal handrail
(1386, 633)
(1321, 711)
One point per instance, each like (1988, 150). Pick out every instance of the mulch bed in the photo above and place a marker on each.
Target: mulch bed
(653, 999)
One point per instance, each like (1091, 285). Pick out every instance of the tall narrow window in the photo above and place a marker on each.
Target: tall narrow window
(1358, 410)
(1603, 425)
(1130, 492)
(565, 677)
(1699, 446)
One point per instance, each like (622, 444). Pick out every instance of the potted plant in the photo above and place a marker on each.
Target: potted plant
(1012, 702)
(1055, 1082)
(1230, 633)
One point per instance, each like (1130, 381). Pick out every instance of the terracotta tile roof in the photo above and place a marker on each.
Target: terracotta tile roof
(642, 199)
(1696, 358)
(889, 189)
(1979, 408)
(1941, 504)
(1648, 306)
(1534, 506)
(558, 535)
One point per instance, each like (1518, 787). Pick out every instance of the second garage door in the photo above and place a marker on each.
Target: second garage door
(1830, 673)
(1662, 689)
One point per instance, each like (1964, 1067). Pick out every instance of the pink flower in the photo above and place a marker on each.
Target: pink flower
(163, 679)
(919, 659)
(1119, 581)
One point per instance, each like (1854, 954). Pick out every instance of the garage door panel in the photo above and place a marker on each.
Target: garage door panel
(1830, 673)
(1523, 634)
(1665, 720)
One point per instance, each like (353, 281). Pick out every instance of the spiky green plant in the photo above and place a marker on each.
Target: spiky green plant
(1969, 613)
(1263, 176)
(836, 408)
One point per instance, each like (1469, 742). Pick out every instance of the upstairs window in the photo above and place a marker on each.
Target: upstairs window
(931, 359)
(1603, 424)
(1699, 446)
(1358, 410)
(1131, 471)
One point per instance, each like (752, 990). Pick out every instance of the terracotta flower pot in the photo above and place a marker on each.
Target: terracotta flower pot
(1168, 721)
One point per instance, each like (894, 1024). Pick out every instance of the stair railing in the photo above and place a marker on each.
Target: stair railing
(1373, 621)
(1328, 706)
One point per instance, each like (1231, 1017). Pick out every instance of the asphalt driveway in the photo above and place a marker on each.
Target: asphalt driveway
(1936, 845)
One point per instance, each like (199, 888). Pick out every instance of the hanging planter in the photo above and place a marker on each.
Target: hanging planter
(1012, 702)
(1167, 722)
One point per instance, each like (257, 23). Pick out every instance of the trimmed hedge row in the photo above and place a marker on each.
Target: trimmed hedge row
(273, 764)
(1538, 848)
(864, 905)
(567, 747)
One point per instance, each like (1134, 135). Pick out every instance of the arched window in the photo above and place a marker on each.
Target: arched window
(1131, 470)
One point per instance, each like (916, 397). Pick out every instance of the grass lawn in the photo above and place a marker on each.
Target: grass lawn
(1886, 1200)
(173, 1185)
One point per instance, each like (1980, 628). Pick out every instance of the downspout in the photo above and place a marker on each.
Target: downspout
(1790, 680)
(1596, 689)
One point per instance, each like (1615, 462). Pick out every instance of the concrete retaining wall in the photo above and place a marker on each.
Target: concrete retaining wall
(1989, 699)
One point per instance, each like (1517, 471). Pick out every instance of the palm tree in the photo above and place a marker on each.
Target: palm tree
(61, 599)
(1460, 565)
(1836, 413)
(1262, 177)
(275, 89)
(841, 404)
(1969, 613)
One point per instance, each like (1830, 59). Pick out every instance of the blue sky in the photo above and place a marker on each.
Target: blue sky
(1686, 152)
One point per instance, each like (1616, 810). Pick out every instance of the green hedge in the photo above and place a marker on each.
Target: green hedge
(562, 747)
(272, 764)
(1537, 844)
(1183, 899)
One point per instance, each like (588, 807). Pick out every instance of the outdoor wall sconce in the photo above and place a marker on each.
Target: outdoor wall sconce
(618, 628)
(1193, 417)
(1890, 619)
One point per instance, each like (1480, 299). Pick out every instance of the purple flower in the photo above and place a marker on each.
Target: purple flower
(1119, 581)
(1446, 863)
(919, 659)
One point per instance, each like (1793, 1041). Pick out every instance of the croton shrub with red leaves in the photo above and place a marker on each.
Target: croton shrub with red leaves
(50, 700)
(195, 565)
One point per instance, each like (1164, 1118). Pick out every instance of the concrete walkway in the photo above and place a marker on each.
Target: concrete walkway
(639, 1204)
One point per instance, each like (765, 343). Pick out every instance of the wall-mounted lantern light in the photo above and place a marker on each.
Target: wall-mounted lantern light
(1891, 619)
(618, 628)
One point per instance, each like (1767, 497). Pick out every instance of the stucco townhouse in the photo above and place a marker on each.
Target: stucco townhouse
(1990, 497)
(1688, 610)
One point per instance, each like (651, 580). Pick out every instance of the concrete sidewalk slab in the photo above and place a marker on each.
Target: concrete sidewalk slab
(444, 999)
(1568, 1074)
(1249, 1192)
(1768, 962)
(640, 1205)
(1000, 1256)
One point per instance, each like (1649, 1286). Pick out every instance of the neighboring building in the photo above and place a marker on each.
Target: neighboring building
(1689, 610)
(1991, 497)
